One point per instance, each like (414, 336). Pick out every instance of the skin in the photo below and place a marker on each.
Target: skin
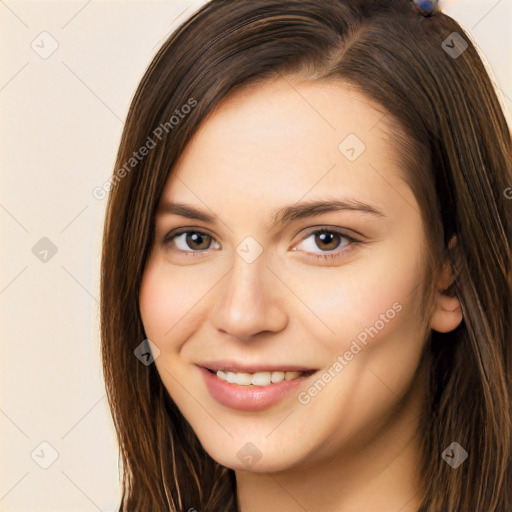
(353, 446)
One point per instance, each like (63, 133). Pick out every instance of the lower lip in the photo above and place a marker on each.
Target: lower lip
(249, 398)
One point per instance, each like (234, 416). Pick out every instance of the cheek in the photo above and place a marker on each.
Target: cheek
(166, 301)
(376, 348)
(372, 291)
(154, 304)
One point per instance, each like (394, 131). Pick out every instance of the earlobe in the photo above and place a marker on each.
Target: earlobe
(447, 314)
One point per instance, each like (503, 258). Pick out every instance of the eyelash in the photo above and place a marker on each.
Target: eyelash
(171, 236)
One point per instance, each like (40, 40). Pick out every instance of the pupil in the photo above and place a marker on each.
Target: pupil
(326, 236)
(194, 237)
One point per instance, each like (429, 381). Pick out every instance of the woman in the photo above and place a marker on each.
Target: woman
(248, 366)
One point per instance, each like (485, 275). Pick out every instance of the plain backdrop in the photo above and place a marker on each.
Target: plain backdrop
(69, 70)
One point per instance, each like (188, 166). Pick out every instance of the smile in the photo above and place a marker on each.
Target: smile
(257, 391)
(258, 378)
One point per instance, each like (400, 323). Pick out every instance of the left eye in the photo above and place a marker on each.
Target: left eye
(328, 240)
(194, 243)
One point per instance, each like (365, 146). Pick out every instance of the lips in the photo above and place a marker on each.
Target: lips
(249, 397)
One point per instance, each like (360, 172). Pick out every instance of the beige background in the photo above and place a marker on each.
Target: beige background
(61, 122)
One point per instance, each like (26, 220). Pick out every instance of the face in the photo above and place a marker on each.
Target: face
(261, 284)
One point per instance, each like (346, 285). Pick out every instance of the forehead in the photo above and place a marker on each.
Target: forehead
(283, 141)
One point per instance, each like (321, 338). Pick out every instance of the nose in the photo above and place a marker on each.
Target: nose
(249, 301)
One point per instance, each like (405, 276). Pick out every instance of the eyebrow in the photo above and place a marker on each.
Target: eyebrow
(281, 216)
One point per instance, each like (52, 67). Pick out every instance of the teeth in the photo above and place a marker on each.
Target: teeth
(257, 379)
(243, 379)
(261, 379)
(277, 377)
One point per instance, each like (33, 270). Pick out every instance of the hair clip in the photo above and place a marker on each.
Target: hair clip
(426, 7)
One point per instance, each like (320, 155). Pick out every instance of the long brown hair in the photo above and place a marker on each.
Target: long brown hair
(456, 150)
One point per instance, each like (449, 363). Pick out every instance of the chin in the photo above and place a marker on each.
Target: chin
(253, 456)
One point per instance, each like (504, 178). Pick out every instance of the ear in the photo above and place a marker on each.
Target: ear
(447, 314)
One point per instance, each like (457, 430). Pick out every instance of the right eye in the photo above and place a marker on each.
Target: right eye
(192, 243)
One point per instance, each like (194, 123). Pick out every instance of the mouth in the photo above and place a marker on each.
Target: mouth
(256, 391)
(262, 388)
(260, 378)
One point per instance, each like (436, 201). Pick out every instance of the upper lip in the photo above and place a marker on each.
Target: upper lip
(236, 367)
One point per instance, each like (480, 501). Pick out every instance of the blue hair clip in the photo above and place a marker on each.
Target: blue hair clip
(426, 7)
